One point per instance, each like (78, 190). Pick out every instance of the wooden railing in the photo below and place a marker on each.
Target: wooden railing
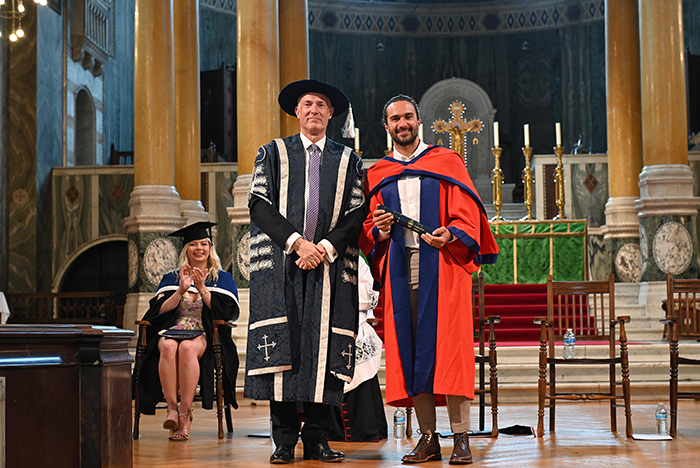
(74, 307)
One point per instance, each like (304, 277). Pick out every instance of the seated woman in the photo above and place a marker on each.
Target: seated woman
(179, 343)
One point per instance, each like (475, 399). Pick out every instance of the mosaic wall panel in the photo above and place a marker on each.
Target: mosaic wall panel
(21, 162)
(589, 192)
(115, 191)
(599, 262)
(71, 215)
(449, 18)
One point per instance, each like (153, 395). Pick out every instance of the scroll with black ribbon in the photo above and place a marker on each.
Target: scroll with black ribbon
(405, 221)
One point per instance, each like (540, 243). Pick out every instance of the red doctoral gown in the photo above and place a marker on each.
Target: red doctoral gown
(441, 358)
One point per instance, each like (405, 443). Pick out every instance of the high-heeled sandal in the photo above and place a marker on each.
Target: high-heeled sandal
(183, 434)
(171, 423)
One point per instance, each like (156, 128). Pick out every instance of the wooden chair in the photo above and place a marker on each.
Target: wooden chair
(683, 322)
(588, 308)
(220, 326)
(482, 358)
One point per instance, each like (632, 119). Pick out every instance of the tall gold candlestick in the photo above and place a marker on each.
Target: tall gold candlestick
(528, 180)
(497, 184)
(559, 182)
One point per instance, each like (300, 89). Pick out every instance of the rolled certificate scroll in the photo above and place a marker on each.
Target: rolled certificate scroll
(405, 221)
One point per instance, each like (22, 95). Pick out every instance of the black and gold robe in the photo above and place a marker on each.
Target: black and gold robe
(302, 326)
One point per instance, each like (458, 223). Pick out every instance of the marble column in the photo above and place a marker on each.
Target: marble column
(154, 206)
(624, 103)
(294, 52)
(187, 110)
(666, 206)
(258, 75)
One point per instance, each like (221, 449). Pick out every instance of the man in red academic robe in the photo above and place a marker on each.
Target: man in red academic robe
(426, 278)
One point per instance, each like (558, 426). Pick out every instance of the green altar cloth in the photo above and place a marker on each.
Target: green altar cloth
(531, 250)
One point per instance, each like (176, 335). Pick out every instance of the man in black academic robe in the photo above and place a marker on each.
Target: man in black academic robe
(303, 272)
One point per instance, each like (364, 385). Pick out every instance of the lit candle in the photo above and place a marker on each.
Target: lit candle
(357, 139)
(420, 132)
(495, 135)
(388, 141)
(526, 129)
(557, 128)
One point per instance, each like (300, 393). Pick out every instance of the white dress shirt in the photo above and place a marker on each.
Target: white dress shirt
(409, 196)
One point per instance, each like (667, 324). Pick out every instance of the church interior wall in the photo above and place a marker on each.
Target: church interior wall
(49, 129)
(557, 78)
(217, 36)
(118, 79)
(691, 26)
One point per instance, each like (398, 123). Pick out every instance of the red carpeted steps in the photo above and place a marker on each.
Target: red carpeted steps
(518, 305)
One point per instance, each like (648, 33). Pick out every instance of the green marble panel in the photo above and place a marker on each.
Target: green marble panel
(71, 215)
(224, 231)
(599, 258)
(156, 254)
(114, 192)
(626, 259)
(241, 252)
(589, 192)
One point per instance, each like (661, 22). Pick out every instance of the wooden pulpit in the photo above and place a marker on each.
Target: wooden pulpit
(67, 395)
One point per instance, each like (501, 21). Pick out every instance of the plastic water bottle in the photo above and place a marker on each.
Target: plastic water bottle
(399, 423)
(661, 427)
(569, 344)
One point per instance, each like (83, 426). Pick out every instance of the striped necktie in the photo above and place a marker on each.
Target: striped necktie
(314, 182)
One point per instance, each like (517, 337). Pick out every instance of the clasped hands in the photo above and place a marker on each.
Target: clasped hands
(191, 275)
(383, 221)
(310, 255)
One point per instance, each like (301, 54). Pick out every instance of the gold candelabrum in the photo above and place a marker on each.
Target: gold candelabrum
(559, 182)
(358, 153)
(497, 184)
(528, 180)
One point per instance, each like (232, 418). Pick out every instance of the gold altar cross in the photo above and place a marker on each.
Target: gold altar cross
(457, 127)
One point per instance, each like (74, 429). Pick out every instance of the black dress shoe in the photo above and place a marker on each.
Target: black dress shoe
(322, 451)
(282, 454)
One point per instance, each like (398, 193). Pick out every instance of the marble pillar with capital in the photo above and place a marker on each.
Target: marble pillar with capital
(624, 128)
(154, 206)
(666, 207)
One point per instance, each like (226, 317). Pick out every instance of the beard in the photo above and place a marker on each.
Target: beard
(404, 140)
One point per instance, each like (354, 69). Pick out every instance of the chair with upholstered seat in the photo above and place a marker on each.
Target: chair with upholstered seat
(683, 323)
(222, 409)
(587, 307)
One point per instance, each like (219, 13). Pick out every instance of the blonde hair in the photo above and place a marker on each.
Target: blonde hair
(213, 262)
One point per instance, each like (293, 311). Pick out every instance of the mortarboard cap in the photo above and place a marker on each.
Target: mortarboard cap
(195, 231)
(289, 96)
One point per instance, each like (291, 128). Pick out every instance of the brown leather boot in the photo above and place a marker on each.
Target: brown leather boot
(428, 448)
(461, 455)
